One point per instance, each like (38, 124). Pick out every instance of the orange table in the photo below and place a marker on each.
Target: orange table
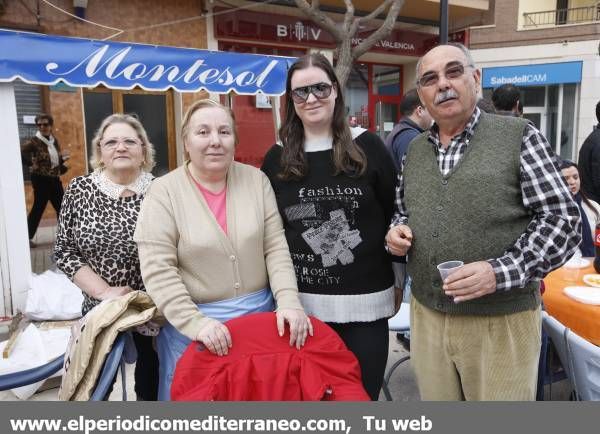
(583, 319)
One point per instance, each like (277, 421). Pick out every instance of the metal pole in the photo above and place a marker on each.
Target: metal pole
(443, 22)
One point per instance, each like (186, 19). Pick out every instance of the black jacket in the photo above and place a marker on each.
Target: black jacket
(589, 165)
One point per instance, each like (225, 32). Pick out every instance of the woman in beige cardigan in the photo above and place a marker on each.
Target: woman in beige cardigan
(212, 246)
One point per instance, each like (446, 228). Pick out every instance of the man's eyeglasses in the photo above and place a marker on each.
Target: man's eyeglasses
(43, 124)
(319, 90)
(451, 72)
(113, 142)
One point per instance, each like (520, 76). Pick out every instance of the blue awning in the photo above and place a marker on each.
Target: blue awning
(42, 59)
(541, 74)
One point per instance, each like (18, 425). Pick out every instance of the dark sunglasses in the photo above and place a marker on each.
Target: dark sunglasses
(451, 72)
(319, 90)
(43, 124)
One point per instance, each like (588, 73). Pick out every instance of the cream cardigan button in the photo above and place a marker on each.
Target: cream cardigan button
(232, 257)
(237, 285)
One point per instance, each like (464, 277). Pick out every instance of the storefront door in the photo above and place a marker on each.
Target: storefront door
(387, 114)
(373, 94)
(537, 115)
(154, 109)
(385, 94)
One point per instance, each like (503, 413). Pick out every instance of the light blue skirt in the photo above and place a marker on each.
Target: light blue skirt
(171, 344)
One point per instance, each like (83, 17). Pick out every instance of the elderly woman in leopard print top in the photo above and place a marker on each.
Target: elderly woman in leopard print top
(94, 245)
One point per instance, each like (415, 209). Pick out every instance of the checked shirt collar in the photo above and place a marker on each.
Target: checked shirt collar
(447, 158)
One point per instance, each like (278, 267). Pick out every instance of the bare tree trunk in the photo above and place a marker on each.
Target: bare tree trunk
(344, 63)
(343, 32)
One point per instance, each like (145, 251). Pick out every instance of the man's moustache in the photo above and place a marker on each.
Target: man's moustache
(445, 96)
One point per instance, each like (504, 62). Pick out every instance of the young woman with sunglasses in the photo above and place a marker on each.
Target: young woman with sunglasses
(335, 191)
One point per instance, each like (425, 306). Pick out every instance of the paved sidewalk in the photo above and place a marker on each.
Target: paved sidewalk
(41, 254)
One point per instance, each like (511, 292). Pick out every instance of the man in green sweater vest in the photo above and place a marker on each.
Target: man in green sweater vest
(482, 189)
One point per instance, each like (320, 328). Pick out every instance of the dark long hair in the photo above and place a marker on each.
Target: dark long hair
(565, 164)
(348, 157)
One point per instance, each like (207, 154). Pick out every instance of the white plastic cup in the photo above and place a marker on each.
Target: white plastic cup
(571, 273)
(449, 267)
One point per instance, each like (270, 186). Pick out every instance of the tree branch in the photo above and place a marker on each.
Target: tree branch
(383, 30)
(376, 12)
(314, 13)
(349, 15)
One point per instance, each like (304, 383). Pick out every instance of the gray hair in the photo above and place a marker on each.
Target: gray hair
(133, 122)
(458, 45)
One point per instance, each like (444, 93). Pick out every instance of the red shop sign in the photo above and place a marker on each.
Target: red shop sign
(288, 30)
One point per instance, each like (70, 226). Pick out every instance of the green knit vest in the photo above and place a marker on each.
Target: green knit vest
(474, 213)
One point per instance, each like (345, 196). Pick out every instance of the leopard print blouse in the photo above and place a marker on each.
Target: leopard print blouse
(95, 229)
(35, 155)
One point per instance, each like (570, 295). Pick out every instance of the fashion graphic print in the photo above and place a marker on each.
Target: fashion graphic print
(328, 216)
(333, 239)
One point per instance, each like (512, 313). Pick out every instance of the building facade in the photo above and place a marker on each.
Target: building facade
(77, 112)
(549, 48)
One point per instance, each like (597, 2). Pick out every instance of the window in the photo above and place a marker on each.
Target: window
(356, 95)
(552, 109)
(29, 104)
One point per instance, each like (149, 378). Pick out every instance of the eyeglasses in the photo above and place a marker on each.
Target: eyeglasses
(451, 72)
(43, 124)
(113, 142)
(319, 90)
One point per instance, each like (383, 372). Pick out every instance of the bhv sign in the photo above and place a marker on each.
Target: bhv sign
(299, 31)
(249, 26)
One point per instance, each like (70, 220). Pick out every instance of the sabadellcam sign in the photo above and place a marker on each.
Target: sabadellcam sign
(296, 31)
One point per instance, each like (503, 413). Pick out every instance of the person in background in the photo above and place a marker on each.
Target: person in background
(42, 155)
(486, 105)
(335, 192)
(94, 245)
(589, 162)
(415, 120)
(212, 246)
(507, 100)
(520, 109)
(483, 189)
(589, 209)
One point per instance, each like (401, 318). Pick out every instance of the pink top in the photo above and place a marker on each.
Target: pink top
(217, 202)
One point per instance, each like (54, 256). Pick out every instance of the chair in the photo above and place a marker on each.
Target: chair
(585, 366)
(398, 323)
(558, 333)
(105, 380)
(113, 361)
(30, 376)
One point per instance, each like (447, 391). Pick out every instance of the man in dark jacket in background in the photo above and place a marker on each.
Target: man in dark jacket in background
(589, 162)
(415, 120)
(507, 100)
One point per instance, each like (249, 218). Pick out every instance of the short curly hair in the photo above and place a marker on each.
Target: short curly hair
(133, 122)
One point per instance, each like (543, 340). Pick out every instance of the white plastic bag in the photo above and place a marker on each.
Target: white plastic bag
(33, 348)
(53, 296)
